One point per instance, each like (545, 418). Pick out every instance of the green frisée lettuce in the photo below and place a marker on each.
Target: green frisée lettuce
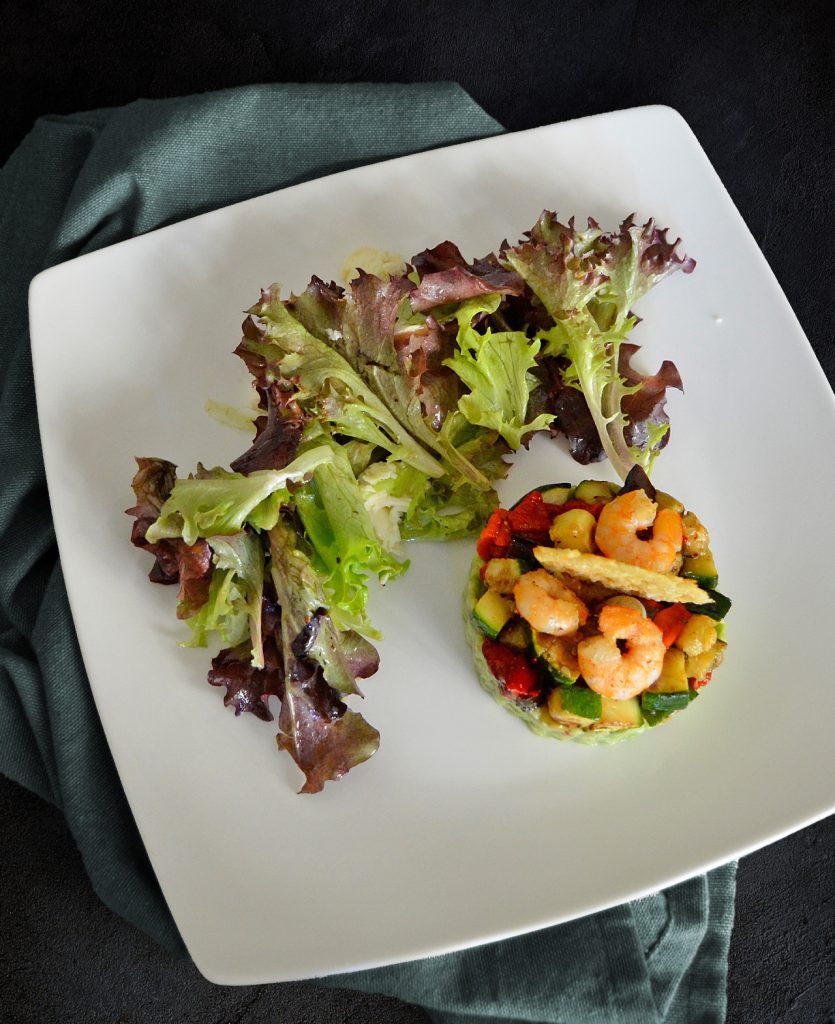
(328, 382)
(224, 613)
(239, 559)
(315, 727)
(495, 366)
(345, 545)
(218, 502)
(588, 281)
(385, 413)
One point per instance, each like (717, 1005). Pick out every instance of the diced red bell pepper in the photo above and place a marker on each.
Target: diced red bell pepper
(697, 684)
(594, 509)
(512, 668)
(671, 621)
(530, 515)
(495, 537)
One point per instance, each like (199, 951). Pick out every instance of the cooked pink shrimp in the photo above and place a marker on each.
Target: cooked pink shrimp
(622, 519)
(548, 605)
(621, 674)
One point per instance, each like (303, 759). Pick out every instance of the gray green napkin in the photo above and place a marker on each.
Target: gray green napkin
(82, 182)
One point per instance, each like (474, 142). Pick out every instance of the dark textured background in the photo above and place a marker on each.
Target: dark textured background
(755, 82)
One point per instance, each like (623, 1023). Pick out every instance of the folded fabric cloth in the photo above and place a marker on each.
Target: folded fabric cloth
(81, 182)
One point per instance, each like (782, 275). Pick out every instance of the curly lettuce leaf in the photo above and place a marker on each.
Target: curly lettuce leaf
(316, 728)
(588, 281)
(634, 259)
(277, 435)
(218, 502)
(345, 545)
(242, 554)
(648, 425)
(400, 356)
(175, 562)
(447, 277)
(248, 687)
(496, 367)
(405, 505)
(326, 382)
(224, 612)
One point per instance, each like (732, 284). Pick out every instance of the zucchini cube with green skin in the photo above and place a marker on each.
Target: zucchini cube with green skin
(702, 569)
(717, 609)
(619, 714)
(594, 491)
(516, 634)
(560, 713)
(670, 691)
(652, 701)
(581, 701)
(556, 494)
(550, 652)
(492, 612)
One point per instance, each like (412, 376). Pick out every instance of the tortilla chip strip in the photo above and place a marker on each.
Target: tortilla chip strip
(657, 586)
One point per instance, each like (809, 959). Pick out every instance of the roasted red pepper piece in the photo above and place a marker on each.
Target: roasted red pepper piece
(495, 537)
(671, 621)
(530, 515)
(595, 509)
(512, 668)
(697, 684)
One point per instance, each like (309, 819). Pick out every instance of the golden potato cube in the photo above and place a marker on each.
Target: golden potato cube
(698, 635)
(574, 529)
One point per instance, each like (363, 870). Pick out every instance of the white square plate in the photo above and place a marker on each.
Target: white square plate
(465, 827)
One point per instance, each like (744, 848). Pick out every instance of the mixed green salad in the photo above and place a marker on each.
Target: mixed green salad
(386, 410)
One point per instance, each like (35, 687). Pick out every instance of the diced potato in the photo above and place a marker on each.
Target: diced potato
(502, 574)
(697, 666)
(574, 529)
(673, 678)
(698, 635)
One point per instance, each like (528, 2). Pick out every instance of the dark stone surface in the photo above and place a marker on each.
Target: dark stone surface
(754, 81)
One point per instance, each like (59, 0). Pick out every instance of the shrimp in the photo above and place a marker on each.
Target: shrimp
(548, 605)
(619, 524)
(621, 674)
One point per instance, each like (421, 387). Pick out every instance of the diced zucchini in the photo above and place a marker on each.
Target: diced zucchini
(554, 654)
(581, 701)
(664, 500)
(501, 574)
(561, 714)
(516, 634)
(556, 494)
(652, 701)
(670, 691)
(594, 491)
(702, 569)
(620, 714)
(492, 612)
(717, 609)
(574, 529)
(666, 702)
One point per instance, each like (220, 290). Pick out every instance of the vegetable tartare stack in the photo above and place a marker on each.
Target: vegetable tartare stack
(592, 611)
